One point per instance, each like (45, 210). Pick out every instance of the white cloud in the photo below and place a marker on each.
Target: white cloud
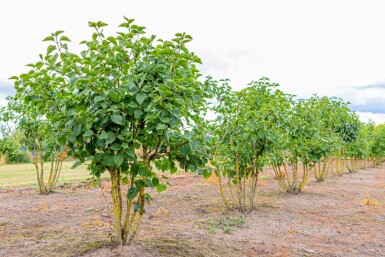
(369, 98)
(378, 118)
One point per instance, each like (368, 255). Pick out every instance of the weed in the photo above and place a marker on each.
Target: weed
(43, 206)
(161, 212)
(226, 224)
(291, 230)
(93, 222)
(59, 202)
(265, 177)
(169, 246)
(370, 201)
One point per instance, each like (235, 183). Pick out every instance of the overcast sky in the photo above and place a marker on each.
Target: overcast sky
(332, 48)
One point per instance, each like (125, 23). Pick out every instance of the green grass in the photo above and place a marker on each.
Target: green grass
(16, 175)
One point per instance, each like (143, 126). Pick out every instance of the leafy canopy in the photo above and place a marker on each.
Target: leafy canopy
(122, 102)
(248, 124)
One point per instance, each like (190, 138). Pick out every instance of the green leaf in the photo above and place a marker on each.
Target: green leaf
(130, 152)
(161, 126)
(98, 99)
(49, 38)
(76, 164)
(118, 159)
(149, 116)
(112, 40)
(88, 133)
(117, 118)
(165, 119)
(143, 171)
(139, 183)
(98, 157)
(138, 113)
(101, 24)
(165, 165)
(72, 138)
(160, 187)
(129, 21)
(141, 97)
(173, 170)
(155, 181)
(57, 33)
(116, 147)
(132, 193)
(137, 206)
(180, 101)
(38, 65)
(64, 38)
(147, 197)
(62, 140)
(148, 183)
(133, 105)
(50, 48)
(111, 138)
(103, 135)
(92, 24)
(160, 68)
(206, 173)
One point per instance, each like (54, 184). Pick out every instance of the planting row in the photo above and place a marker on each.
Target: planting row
(128, 103)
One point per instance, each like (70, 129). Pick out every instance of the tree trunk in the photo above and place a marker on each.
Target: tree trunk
(117, 203)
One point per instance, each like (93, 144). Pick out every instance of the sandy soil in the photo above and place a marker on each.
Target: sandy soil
(326, 219)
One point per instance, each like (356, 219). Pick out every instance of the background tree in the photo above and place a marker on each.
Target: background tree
(378, 145)
(328, 113)
(359, 150)
(247, 125)
(348, 129)
(298, 148)
(10, 150)
(35, 134)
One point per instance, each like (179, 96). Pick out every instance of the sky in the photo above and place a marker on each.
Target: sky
(329, 48)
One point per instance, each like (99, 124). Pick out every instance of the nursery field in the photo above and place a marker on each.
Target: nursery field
(14, 175)
(342, 216)
(270, 174)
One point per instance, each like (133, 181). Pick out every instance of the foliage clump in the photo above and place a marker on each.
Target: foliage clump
(29, 129)
(11, 151)
(245, 131)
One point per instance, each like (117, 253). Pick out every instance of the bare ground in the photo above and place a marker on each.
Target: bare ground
(326, 219)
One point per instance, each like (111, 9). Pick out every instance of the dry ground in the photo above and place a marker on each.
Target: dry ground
(327, 219)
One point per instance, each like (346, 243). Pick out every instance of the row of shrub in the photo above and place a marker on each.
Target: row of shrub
(11, 152)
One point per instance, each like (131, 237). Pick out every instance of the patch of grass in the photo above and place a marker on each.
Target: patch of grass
(267, 204)
(226, 224)
(179, 246)
(16, 175)
(93, 245)
(370, 201)
(94, 222)
(53, 243)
